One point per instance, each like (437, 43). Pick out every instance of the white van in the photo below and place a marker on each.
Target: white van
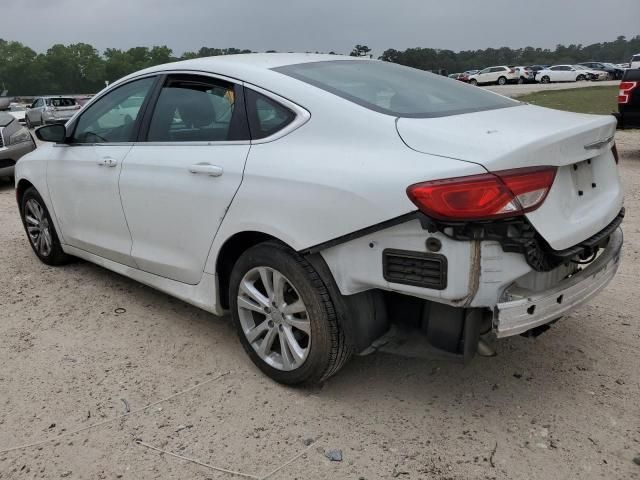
(635, 61)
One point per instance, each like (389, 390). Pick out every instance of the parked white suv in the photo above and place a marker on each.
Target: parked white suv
(321, 199)
(500, 75)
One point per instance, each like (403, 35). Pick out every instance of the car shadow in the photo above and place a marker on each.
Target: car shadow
(6, 185)
(513, 379)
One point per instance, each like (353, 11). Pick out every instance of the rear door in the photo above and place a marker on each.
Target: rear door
(181, 176)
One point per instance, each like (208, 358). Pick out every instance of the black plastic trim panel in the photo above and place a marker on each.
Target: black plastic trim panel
(418, 269)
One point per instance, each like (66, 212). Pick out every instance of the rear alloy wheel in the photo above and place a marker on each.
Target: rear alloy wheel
(520, 80)
(502, 81)
(546, 79)
(473, 82)
(285, 317)
(40, 230)
(581, 78)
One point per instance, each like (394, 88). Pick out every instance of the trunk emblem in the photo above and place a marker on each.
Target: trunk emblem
(599, 144)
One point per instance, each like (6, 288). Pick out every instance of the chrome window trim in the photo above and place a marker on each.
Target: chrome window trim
(302, 115)
(194, 144)
(76, 145)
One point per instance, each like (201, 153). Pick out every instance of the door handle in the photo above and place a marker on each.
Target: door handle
(207, 169)
(107, 162)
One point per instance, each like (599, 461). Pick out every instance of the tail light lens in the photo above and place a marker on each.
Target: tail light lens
(626, 88)
(507, 193)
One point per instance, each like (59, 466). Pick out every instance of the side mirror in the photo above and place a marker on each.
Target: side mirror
(52, 133)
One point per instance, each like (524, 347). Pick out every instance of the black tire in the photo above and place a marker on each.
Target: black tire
(54, 254)
(502, 81)
(580, 78)
(28, 122)
(328, 347)
(473, 82)
(545, 79)
(521, 80)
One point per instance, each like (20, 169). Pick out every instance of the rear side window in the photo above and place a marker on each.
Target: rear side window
(266, 116)
(61, 102)
(194, 109)
(394, 89)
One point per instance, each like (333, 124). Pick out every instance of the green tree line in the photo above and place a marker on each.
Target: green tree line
(81, 68)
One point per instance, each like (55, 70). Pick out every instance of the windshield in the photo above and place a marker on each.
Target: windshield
(394, 89)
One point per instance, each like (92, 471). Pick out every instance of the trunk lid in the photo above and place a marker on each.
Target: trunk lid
(586, 194)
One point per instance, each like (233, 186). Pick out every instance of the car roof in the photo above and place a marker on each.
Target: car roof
(252, 68)
(247, 65)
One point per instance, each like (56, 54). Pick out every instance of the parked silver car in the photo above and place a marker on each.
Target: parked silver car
(47, 110)
(15, 141)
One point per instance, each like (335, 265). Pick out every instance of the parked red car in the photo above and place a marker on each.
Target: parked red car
(463, 77)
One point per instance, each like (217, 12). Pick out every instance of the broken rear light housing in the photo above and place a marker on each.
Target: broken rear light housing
(507, 193)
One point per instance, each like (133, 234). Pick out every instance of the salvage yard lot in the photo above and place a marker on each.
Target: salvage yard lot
(81, 345)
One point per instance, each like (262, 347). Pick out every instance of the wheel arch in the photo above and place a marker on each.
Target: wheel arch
(230, 252)
(21, 187)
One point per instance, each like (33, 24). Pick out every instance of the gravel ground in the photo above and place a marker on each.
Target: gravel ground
(81, 345)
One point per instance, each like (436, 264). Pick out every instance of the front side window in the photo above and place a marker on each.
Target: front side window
(193, 109)
(266, 116)
(394, 89)
(112, 118)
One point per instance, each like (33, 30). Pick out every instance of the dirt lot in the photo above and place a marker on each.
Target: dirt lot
(81, 345)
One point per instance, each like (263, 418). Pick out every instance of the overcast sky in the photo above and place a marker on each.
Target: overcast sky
(323, 25)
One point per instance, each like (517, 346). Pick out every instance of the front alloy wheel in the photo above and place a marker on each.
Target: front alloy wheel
(274, 318)
(38, 227)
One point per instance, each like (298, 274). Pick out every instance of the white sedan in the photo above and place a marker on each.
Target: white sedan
(562, 73)
(321, 199)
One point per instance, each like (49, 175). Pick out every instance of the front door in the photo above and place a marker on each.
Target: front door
(83, 174)
(179, 180)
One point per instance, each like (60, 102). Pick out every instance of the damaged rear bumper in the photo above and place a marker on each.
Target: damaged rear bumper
(534, 309)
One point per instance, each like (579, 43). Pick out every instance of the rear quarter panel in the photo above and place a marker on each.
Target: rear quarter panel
(333, 176)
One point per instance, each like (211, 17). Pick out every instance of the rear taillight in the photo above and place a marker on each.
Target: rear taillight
(507, 193)
(626, 88)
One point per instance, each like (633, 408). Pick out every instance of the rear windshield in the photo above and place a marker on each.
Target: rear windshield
(394, 89)
(61, 102)
(636, 58)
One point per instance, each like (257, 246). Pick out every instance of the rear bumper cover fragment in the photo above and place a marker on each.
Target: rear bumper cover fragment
(518, 316)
